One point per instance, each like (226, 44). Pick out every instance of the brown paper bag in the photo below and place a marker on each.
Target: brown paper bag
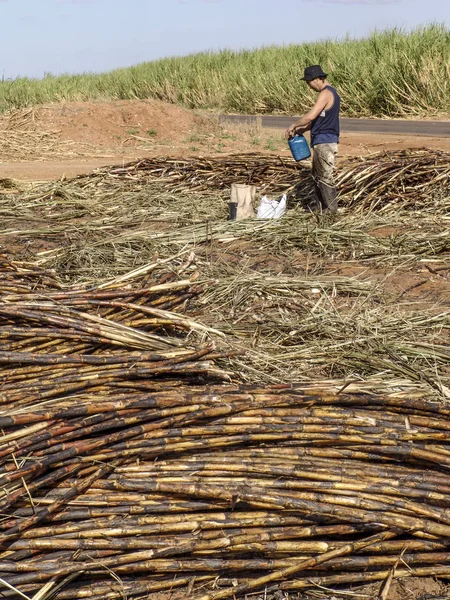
(244, 196)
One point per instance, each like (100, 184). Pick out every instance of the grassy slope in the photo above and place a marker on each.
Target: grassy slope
(391, 73)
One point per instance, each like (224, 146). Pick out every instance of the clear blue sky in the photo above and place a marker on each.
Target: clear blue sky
(74, 36)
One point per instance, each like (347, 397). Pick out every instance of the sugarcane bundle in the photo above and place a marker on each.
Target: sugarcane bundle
(238, 486)
(19, 277)
(56, 341)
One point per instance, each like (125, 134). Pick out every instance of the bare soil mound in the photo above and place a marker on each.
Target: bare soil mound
(105, 124)
(89, 129)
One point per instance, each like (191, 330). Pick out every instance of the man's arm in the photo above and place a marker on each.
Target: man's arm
(304, 123)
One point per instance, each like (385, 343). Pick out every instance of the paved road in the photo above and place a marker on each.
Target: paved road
(383, 126)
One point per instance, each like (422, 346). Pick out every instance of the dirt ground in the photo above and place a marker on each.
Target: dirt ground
(61, 141)
(411, 589)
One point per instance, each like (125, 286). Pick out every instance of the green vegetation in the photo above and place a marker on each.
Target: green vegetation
(390, 73)
(272, 144)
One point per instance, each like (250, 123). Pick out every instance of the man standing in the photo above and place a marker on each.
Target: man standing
(323, 122)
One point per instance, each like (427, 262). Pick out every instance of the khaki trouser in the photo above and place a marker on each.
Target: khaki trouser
(324, 158)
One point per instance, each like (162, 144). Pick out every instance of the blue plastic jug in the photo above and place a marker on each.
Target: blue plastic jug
(299, 147)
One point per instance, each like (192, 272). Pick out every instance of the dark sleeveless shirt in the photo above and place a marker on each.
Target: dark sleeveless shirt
(325, 128)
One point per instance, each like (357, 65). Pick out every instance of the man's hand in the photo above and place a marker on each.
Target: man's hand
(290, 132)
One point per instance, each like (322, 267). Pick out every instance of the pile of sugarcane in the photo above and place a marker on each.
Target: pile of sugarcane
(218, 491)
(127, 469)
(406, 177)
(55, 341)
(211, 173)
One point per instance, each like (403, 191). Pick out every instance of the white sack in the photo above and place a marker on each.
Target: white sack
(271, 209)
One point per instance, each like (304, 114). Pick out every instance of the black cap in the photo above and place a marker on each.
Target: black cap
(313, 72)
